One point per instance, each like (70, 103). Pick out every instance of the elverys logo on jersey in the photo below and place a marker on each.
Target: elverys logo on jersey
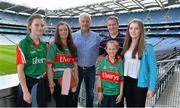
(110, 76)
(37, 60)
(65, 58)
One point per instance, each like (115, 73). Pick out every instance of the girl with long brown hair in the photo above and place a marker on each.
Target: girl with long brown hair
(61, 66)
(140, 69)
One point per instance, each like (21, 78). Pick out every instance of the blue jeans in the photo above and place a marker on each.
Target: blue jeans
(34, 94)
(88, 74)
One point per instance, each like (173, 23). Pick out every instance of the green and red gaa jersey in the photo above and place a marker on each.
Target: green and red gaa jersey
(59, 59)
(33, 57)
(111, 75)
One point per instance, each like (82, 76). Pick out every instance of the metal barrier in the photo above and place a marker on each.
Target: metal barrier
(8, 96)
(8, 91)
(168, 89)
(167, 92)
(167, 70)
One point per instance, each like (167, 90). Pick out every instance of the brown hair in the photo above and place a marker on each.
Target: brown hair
(128, 40)
(31, 19)
(113, 18)
(70, 42)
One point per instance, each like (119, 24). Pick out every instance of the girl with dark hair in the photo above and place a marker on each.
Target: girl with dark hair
(62, 67)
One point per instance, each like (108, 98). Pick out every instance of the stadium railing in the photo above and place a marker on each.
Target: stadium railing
(166, 70)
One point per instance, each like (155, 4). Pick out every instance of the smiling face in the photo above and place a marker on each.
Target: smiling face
(84, 23)
(37, 27)
(134, 38)
(134, 30)
(112, 26)
(111, 49)
(63, 32)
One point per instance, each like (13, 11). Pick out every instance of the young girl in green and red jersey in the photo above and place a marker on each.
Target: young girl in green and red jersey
(110, 77)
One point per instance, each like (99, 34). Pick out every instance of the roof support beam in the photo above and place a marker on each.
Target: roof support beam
(96, 11)
(160, 3)
(115, 2)
(80, 10)
(139, 4)
(105, 7)
(11, 7)
(26, 10)
(37, 9)
(92, 8)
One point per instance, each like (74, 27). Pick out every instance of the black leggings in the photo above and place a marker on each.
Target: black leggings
(62, 100)
(135, 96)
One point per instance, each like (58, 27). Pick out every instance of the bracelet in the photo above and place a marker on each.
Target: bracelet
(99, 89)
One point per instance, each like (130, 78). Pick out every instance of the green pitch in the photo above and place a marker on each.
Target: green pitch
(7, 59)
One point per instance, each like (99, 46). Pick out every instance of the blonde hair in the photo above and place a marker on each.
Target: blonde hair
(114, 42)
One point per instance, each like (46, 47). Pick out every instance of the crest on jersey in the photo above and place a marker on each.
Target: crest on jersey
(32, 46)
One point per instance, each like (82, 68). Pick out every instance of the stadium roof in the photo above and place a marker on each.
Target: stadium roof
(103, 8)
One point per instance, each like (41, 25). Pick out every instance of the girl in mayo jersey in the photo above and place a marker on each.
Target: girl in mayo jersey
(110, 77)
(31, 60)
(61, 66)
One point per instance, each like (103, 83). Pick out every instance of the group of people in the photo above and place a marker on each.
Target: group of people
(125, 65)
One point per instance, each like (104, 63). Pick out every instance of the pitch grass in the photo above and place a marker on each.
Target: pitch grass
(7, 59)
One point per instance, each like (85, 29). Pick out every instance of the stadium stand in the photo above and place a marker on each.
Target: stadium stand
(13, 38)
(12, 18)
(5, 41)
(162, 30)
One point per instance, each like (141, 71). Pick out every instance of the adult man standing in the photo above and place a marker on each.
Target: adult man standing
(87, 43)
(114, 34)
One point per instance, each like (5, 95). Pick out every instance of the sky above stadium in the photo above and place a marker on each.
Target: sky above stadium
(54, 4)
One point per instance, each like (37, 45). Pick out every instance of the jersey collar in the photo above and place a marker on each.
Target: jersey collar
(30, 39)
(116, 60)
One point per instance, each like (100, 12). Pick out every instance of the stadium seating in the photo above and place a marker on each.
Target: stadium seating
(11, 18)
(5, 41)
(12, 30)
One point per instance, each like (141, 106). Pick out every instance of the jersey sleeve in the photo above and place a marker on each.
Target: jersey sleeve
(121, 71)
(21, 50)
(51, 54)
(75, 60)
